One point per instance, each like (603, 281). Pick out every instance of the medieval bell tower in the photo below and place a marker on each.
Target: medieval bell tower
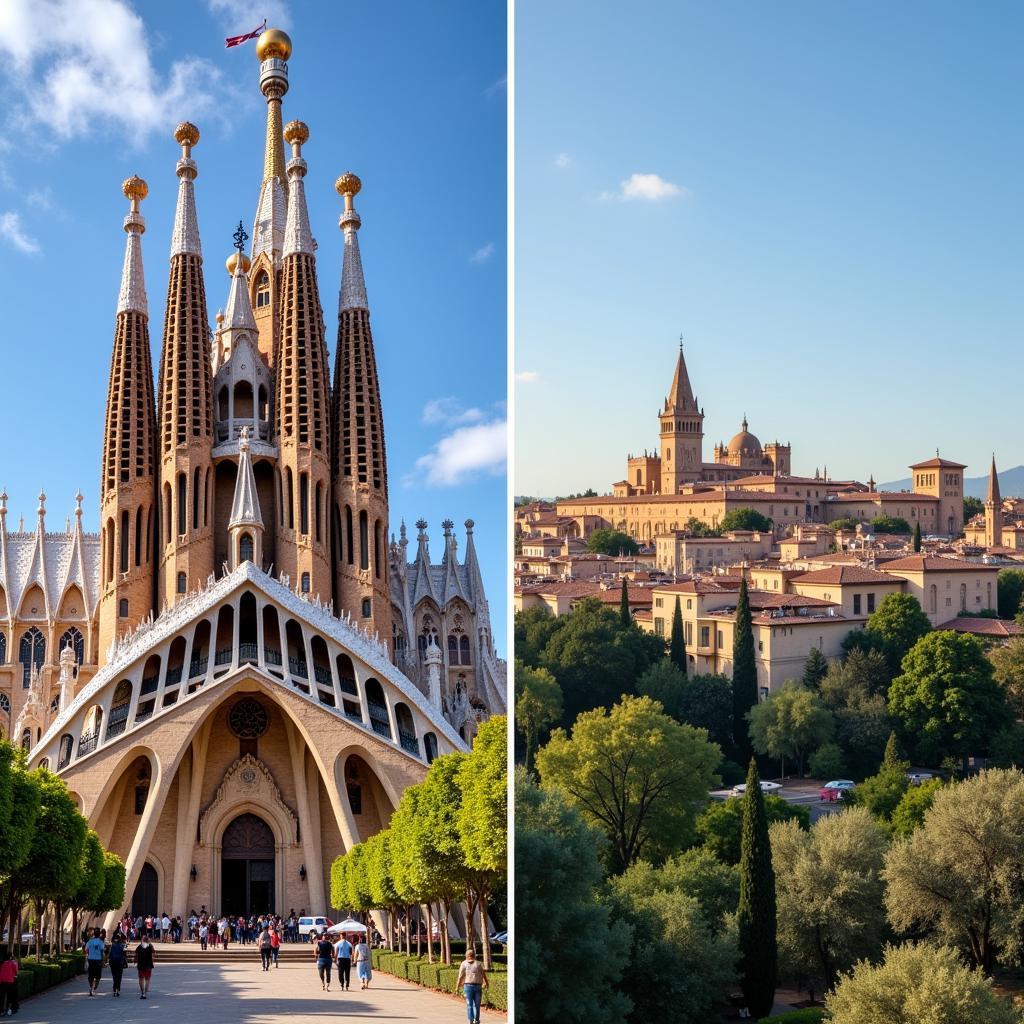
(681, 432)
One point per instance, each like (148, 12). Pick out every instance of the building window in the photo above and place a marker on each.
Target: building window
(3, 648)
(245, 548)
(871, 603)
(721, 639)
(32, 651)
(73, 638)
(464, 649)
(305, 583)
(182, 583)
(689, 633)
(355, 797)
(689, 604)
(705, 636)
(760, 645)
(262, 291)
(122, 608)
(657, 602)
(659, 627)
(366, 607)
(856, 604)
(141, 794)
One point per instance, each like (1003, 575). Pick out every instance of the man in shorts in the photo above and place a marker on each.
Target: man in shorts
(94, 950)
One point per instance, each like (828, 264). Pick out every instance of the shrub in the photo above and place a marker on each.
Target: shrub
(827, 762)
(496, 994)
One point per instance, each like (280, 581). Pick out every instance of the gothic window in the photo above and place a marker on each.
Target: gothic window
(248, 719)
(122, 608)
(3, 648)
(64, 751)
(182, 583)
(304, 503)
(138, 536)
(26, 740)
(366, 608)
(318, 510)
(430, 747)
(54, 705)
(464, 657)
(5, 704)
(32, 651)
(182, 506)
(262, 290)
(124, 541)
(306, 584)
(349, 545)
(73, 638)
(453, 649)
(364, 541)
(245, 548)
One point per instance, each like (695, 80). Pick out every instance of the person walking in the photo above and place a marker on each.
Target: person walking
(94, 950)
(275, 944)
(116, 960)
(364, 968)
(204, 934)
(472, 980)
(323, 952)
(144, 963)
(343, 954)
(266, 948)
(8, 986)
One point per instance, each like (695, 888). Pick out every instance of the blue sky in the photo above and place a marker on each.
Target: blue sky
(409, 96)
(840, 244)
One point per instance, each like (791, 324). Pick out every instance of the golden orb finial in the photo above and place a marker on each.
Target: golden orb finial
(296, 131)
(348, 184)
(135, 188)
(273, 43)
(232, 262)
(220, 312)
(186, 134)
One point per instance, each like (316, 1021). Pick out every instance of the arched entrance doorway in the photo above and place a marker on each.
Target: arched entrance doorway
(247, 867)
(145, 896)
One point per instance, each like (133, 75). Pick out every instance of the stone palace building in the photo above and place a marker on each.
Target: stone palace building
(239, 676)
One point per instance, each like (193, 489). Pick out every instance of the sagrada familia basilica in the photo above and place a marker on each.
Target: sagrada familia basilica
(240, 674)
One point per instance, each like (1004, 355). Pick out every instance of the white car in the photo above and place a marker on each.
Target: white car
(313, 924)
(766, 787)
(916, 778)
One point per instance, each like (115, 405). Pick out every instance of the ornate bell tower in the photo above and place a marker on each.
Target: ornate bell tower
(681, 424)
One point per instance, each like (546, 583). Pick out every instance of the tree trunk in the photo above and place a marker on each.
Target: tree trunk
(430, 935)
(484, 936)
(446, 939)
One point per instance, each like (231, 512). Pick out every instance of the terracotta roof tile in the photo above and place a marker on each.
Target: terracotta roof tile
(838, 575)
(983, 626)
(936, 563)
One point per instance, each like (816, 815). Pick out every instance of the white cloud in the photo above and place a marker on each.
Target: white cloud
(12, 231)
(647, 186)
(450, 412)
(563, 160)
(238, 16)
(500, 86)
(527, 376)
(465, 451)
(483, 254)
(73, 65)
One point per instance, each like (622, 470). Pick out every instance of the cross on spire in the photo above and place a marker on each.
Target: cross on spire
(240, 237)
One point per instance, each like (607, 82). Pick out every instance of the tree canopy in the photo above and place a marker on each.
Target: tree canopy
(634, 773)
(790, 723)
(745, 519)
(946, 701)
(890, 524)
(558, 876)
(611, 542)
(538, 705)
(720, 825)
(1009, 590)
(899, 622)
(972, 507)
(913, 984)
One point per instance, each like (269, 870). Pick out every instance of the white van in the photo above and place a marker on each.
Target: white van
(313, 924)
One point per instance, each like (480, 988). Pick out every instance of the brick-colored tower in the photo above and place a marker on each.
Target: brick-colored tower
(186, 399)
(993, 509)
(128, 482)
(302, 412)
(273, 50)
(360, 518)
(681, 425)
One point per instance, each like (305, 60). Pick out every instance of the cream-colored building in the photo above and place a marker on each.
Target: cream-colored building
(947, 587)
(560, 597)
(680, 553)
(240, 675)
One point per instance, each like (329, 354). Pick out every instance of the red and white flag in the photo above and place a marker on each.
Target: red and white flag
(238, 40)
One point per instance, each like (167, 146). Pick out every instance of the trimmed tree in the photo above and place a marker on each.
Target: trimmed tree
(624, 616)
(755, 918)
(917, 536)
(744, 675)
(815, 669)
(677, 648)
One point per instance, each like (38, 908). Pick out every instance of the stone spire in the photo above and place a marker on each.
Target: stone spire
(359, 460)
(680, 397)
(186, 401)
(128, 485)
(993, 509)
(238, 312)
(245, 527)
(681, 430)
(302, 406)
(273, 50)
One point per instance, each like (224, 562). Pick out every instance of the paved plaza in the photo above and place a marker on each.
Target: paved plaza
(242, 994)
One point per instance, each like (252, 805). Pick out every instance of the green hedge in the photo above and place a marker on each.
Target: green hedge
(812, 1015)
(440, 976)
(36, 976)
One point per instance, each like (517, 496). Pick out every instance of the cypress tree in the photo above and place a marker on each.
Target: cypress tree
(917, 536)
(624, 616)
(815, 669)
(756, 913)
(677, 650)
(744, 675)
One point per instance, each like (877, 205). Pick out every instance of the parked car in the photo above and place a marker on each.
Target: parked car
(766, 787)
(916, 778)
(500, 937)
(835, 789)
(313, 924)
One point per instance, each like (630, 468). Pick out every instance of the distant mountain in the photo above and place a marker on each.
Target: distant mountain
(1011, 484)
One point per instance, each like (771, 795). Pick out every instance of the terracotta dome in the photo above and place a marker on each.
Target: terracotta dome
(745, 441)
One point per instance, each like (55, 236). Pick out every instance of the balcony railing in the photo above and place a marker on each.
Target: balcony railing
(145, 711)
(223, 656)
(87, 744)
(298, 668)
(198, 667)
(248, 653)
(349, 686)
(118, 721)
(379, 719)
(323, 675)
(409, 742)
(258, 429)
(150, 683)
(64, 759)
(174, 675)
(381, 728)
(271, 656)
